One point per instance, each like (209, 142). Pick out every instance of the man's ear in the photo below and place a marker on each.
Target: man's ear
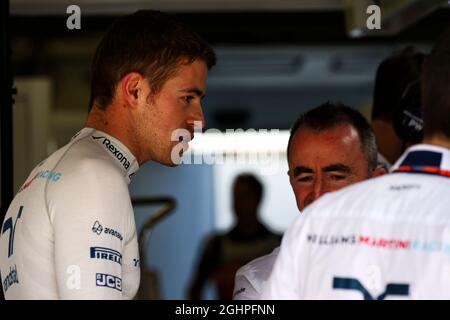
(379, 172)
(133, 87)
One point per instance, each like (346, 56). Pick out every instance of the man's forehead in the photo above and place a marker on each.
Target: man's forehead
(191, 75)
(336, 145)
(335, 139)
(343, 132)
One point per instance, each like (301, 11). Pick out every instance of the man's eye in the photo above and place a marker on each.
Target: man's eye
(304, 178)
(338, 177)
(188, 98)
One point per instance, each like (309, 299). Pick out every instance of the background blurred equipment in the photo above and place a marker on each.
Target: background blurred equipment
(31, 126)
(396, 15)
(149, 288)
(408, 123)
(6, 102)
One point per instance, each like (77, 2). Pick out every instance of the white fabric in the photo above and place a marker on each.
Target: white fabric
(383, 162)
(250, 278)
(76, 235)
(384, 238)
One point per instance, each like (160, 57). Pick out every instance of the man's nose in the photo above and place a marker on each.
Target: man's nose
(197, 120)
(315, 192)
(318, 189)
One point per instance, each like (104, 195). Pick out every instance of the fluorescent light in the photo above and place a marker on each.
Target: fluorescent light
(356, 33)
(251, 141)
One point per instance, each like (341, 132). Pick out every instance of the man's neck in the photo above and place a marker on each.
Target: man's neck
(438, 140)
(114, 124)
(388, 143)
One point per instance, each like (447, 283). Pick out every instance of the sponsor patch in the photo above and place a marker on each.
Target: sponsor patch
(106, 254)
(109, 281)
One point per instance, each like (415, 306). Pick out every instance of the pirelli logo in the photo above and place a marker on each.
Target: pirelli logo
(106, 254)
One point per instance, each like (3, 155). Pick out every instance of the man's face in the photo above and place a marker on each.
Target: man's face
(176, 106)
(320, 162)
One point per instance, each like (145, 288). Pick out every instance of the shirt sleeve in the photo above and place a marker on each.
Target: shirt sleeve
(131, 272)
(284, 280)
(89, 211)
(243, 287)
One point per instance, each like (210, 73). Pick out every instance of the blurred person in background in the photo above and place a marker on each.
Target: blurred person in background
(225, 253)
(393, 77)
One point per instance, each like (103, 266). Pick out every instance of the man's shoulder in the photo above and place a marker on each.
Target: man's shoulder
(83, 167)
(251, 277)
(358, 192)
(88, 181)
(85, 157)
(394, 184)
(259, 268)
(397, 197)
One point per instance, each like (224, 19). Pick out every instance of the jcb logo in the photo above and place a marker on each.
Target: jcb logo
(354, 284)
(110, 281)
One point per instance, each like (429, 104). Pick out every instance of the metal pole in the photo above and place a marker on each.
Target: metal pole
(6, 151)
(6, 102)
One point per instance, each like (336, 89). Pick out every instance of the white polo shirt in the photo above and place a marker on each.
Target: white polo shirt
(70, 232)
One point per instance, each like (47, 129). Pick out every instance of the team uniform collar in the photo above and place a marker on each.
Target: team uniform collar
(424, 158)
(116, 149)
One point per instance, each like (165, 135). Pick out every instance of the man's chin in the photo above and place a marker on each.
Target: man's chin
(176, 154)
(172, 162)
(168, 162)
(172, 165)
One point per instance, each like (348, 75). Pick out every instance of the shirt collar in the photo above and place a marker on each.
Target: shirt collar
(116, 149)
(424, 158)
(383, 162)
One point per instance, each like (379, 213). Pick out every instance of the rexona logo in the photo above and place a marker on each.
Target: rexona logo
(109, 281)
(115, 151)
(98, 229)
(392, 289)
(106, 254)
